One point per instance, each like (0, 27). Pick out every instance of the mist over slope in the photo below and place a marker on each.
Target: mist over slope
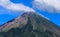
(29, 24)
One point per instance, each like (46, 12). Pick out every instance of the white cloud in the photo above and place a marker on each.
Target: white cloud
(18, 7)
(14, 7)
(47, 5)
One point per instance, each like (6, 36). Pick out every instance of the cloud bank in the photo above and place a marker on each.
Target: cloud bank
(52, 6)
(18, 7)
(14, 7)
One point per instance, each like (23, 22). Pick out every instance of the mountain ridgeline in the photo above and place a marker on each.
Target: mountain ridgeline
(29, 24)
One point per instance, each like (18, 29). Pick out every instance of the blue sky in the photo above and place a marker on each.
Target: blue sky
(6, 15)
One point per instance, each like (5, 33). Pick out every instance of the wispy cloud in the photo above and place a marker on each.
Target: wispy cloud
(14, 7)
(52, 6)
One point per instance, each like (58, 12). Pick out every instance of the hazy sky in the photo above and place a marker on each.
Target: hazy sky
(10, 9)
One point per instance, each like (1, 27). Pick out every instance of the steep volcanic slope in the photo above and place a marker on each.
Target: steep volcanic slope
(30, 24)
(18, 22)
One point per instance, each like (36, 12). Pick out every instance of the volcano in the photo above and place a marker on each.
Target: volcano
(29, 24)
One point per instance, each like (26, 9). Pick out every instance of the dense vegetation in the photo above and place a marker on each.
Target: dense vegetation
(32, 33)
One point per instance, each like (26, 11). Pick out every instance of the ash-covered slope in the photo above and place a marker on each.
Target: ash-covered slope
(30, 24)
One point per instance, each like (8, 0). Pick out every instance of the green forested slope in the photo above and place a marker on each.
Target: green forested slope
(36, 26)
